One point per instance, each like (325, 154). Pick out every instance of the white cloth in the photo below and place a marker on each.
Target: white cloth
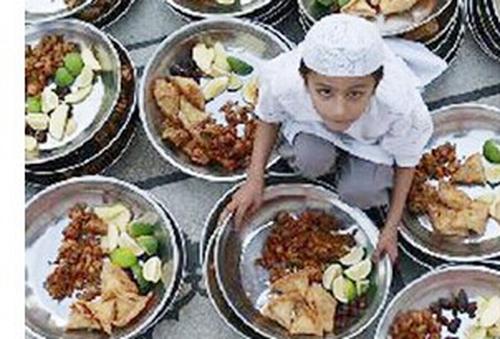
(395, 127)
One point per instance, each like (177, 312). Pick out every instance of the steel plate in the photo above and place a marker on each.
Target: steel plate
(91, 114)
(38, 11)
(209, 8)
(419, 294)
(467, 126)
(239, 37)
(245, 285)
(420, 14)
(46, 216)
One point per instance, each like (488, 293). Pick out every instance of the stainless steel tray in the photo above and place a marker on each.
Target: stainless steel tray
(37, 11)
(420, 14)
(89, 120)
(209, 8)
(419, 294)
(467, 126)
(46, 216)
(245, 285)
(239, 37)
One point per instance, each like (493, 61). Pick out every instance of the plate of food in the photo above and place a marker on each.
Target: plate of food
(392, 17)
(450, 302)
(37, 11)
(217, 8)
(453, 209)
(199, 92)
(103, 13)
(302, 266)
(72, 76)
(102, 258)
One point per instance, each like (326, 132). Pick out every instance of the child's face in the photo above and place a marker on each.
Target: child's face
(340, 100)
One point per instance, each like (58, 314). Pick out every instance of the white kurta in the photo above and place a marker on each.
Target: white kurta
(393, 130)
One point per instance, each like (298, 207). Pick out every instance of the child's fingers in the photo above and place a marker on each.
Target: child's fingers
(240, 213)
(226, 212)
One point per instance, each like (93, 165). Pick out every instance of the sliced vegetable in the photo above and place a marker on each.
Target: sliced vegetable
(491, 151)
(355, 255)
(33, 105)
(251, 91)
(235, 83)
(144, 285)
(491, 313)
(70, 127)
(38, 121)
(151, 269)
(123, 257)
(239, 66)
(203, 57)
(359, 271)
(30, 143)
(126, 241)
(113, 236)
(73, 62)
(117, 214)
(85, 78)
(58, 120)
(89, 59)
(220, 59)
(148, 243)
(63, 77)
(137, 229)
(333, 271)
(344, 290)
(78, 96)
(50, 100)
(215, 87)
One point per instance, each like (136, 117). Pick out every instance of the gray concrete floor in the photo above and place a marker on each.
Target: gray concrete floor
(472, 77)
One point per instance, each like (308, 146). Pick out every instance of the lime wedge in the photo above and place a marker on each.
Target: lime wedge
(359, 271)
(344, 290)
(138, 229)
(126, 241)
(491, 151)
(123, 257)
(148, 243)
(353, 257)
(362, 287)
(332, 272)
(239, 66)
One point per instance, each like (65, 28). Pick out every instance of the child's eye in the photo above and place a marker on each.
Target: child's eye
(355, 95)
(324, 92)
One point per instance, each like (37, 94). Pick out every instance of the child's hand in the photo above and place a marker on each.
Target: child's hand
(387, 243)
(246, 201)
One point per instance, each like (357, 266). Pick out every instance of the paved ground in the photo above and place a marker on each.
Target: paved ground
(472, 78)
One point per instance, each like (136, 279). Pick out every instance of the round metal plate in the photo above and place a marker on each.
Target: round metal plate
(487, 27)
(119, 9)
(217, 299)
(209, 8)
(81, 32)
(452, 39)
(477, 31)
(245, 285)
(467, 126)
(447, 36)
(419, 294)
(38, 11)
(46, 217)
(420, 14)
(446, 20)
(84, 160)
(238, 36)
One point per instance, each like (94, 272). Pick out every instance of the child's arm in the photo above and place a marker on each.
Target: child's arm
(388, 242)
(249, 197)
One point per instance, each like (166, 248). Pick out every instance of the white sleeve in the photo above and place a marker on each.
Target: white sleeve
(268, 108)
(408, 135)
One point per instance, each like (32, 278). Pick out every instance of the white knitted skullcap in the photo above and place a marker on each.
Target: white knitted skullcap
(343, 45)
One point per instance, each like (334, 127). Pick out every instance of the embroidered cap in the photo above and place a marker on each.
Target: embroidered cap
(343, 45)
